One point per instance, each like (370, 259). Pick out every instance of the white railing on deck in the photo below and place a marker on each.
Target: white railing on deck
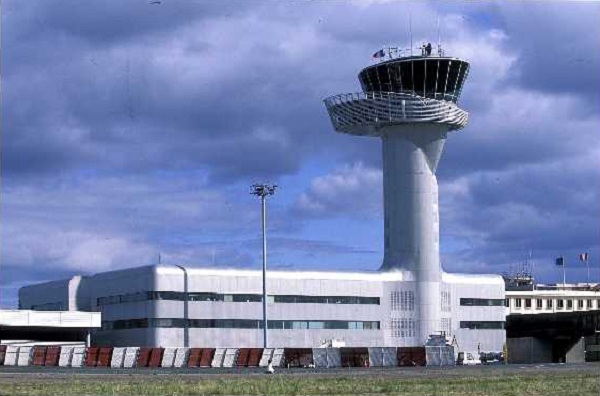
(361, 109)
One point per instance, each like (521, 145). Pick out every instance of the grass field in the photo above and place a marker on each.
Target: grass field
(540, 384)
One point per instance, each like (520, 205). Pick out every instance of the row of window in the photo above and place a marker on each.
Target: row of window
(482, 325)
(205, 296)
(482, 302)
(53, 306)
(549, 303)
(145, 323)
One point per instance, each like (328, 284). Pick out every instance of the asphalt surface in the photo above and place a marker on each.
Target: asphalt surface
(13, 373)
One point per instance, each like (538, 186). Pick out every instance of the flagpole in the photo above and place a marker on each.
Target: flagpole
(588, 274)
(564, 275)
(564, 279)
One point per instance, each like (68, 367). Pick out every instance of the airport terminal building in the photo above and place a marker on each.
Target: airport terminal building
(410, 103)
(167, 305)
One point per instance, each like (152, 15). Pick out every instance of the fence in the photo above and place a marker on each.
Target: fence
(128, 357)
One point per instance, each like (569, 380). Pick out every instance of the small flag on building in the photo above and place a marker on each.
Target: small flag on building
(560, 261)
(379, 54)
(583, 257)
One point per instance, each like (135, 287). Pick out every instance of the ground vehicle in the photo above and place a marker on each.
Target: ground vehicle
(468, 359)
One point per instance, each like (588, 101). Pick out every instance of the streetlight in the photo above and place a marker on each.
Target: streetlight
(263, 190)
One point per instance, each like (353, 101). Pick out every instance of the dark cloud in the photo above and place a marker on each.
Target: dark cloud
(131, 128)
(557, 46)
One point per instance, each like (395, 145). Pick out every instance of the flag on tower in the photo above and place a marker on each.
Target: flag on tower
(583, 257)
(379, 54)
(560, 261)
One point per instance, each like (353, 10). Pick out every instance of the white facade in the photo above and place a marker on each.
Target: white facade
(149, 306)
(64, 319)
(552, 300)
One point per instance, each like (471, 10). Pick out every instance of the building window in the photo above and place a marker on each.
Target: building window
(589, 304)
(481, 325)
(237, 298)
(527, 303)
(538, 303)
(579, 304)
(482, 302)
(402, 327)
(507, 302)
(403, 300)
(446, 300)
(205, 297)
(246, 298)
(237, 324)
(560, 304)
(446, 325)
(53, 306)
(569, 304)
(517, 303)
(598, 304)
(549, 303)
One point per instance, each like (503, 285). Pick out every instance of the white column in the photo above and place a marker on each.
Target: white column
(411, 221)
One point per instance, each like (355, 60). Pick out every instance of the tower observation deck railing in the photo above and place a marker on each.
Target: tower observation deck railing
(351, 112)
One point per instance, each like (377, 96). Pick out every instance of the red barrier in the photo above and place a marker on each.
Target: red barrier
(355, 357)
(104, 356)
(298, 357)
(52, 356)
(207, 357)
(411, 356)
(91, 356)
(254, 358)
(194, 357)
(143, 357)
(242, 357)
(39, 355)
(156, 357)
(2, 353)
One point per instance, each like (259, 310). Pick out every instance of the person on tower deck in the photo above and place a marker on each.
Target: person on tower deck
(428, 49)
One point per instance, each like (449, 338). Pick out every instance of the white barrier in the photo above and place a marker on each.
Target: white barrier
(78, 357)
(218, 358)
(118, 357)
(277, 357)
(66, 354)
(382, 357)
(266, 356)
(130, 356)
(24, 358)
(327, 357)
(390, 358)
(230, 357)
(181, 357)
(168, 357)
(12, 355)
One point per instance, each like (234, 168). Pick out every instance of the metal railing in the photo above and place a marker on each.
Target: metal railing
(356, 112)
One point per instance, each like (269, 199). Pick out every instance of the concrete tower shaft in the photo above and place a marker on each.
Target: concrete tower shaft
(411, 218)
(410, 198)
(410, 103)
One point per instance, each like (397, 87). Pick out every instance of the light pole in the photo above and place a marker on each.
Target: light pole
(263, 190)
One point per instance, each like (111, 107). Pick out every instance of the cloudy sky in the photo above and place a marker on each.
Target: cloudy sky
(133, 128)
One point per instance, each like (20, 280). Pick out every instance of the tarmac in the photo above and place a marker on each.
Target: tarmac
(36, 373)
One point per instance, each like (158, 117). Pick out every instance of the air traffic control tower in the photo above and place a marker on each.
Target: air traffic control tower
(410, 102)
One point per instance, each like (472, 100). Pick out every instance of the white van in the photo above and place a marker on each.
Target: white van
(468, 359)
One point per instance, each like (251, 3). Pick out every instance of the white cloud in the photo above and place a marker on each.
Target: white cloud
(349, 190)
